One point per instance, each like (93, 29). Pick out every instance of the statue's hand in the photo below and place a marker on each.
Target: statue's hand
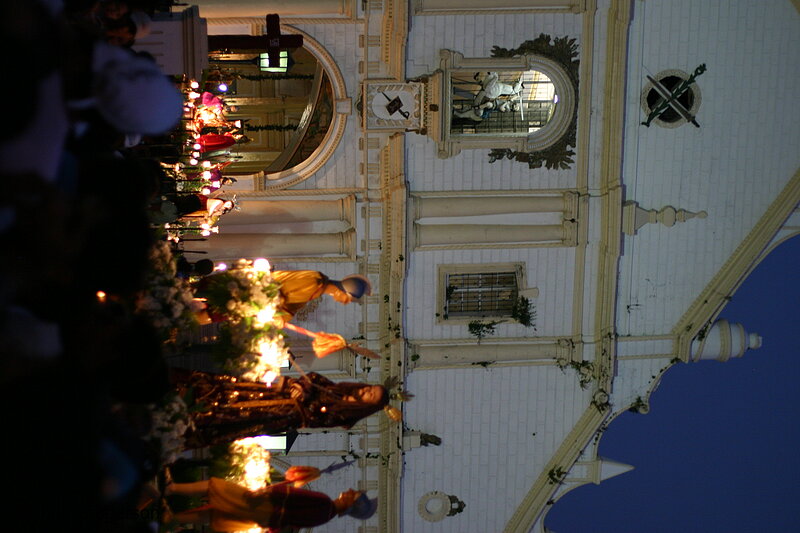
(297, 392)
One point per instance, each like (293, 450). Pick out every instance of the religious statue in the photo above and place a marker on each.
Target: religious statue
(481, 112)
(298, 287)
(225, 408)
(492, 88)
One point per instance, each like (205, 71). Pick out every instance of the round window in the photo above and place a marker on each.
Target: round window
(654, 97)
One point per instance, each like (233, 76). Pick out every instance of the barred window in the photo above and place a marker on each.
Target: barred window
(480, 294)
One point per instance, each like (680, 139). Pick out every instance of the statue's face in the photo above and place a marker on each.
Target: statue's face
(371, 394)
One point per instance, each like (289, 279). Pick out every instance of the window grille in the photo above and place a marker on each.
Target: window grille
(480, 294)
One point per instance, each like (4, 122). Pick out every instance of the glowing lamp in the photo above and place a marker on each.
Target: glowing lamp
(261, 265)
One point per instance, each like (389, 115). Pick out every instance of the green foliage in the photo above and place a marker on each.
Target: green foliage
(270, 76)
(270, 127)
(524, 312)
(480, 329)
(449, 292)
(427, 439)
(584, 369)
(638, 406)
(556, 475)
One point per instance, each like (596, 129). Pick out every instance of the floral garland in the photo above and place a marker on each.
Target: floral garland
(249, 464)
(248, 298)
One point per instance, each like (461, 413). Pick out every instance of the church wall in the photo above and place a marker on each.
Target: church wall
(475, 35)
(732, 167)
(514, 416)
(470, 170)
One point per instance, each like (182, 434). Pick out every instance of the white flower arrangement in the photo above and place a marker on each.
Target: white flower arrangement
(168, 300)
(248, 297)
(170, 421)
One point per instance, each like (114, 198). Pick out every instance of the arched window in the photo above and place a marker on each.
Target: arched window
(524, 103)
(294, 113)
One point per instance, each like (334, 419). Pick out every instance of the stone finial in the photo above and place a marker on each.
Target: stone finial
(634, 217)
(723, 340)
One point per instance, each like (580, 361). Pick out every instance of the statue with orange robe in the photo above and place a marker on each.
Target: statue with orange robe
(298, 287)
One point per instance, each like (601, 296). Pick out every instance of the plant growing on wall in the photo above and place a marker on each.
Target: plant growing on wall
(524, 312)
(480, 329)
(556, 475)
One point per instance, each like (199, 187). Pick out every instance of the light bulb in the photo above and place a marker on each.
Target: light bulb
(261, 265)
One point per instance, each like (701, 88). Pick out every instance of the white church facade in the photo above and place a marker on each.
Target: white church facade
(553, 200)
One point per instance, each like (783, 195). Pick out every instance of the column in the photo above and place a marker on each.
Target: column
(232, 246)
(460, 234)
(285, 211)
(426, 206)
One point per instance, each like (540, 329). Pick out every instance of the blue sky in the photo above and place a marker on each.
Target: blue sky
(718, 451)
